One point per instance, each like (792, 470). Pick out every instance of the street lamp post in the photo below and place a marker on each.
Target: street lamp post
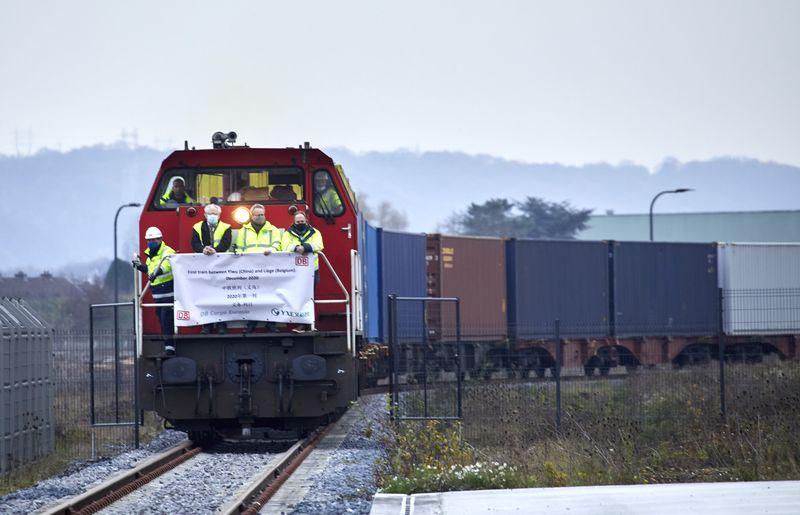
(116, 322)
(652, 203)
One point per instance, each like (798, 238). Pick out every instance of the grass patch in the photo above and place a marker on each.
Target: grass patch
(656, 426)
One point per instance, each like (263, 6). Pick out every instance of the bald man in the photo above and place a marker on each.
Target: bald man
(210, 236)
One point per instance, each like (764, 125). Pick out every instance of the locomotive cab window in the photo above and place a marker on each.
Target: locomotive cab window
(230, 186)
(327, 201)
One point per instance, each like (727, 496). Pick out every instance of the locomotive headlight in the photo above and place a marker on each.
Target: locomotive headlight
(241, 215)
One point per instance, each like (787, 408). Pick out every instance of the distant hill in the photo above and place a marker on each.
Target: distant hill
(58, 208)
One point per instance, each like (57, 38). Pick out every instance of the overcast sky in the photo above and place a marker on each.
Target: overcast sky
(572, 82)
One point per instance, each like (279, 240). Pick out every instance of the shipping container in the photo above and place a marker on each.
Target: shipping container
(761, 287)
(402, 259)
(664, 289)
(549, 280)
(474, 270)
(370, 258)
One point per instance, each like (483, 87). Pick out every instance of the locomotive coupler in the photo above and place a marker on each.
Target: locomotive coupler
(245, 393)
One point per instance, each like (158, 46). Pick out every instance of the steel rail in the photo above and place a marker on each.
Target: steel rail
(256, 495)
(120, 485)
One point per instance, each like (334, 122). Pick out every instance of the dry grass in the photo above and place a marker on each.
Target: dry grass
(652, 427)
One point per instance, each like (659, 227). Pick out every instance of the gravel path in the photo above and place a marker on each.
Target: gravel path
(198, 486)
(81, 477)
(347, 483)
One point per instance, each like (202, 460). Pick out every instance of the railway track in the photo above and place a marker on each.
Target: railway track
(249, 498)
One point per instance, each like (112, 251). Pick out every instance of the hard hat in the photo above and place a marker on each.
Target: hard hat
(152, 233)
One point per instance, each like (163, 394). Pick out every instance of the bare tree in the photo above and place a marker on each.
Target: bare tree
(385, 215)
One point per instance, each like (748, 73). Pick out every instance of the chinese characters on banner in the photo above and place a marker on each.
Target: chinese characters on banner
(226, 287)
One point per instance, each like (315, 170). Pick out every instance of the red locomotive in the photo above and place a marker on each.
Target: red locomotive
(238, 381)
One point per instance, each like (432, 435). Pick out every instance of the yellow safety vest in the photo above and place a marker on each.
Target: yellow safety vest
(328, 202)
(159, 260)
(219, 231)
(313, 237)
(165, 198)
(249, 241)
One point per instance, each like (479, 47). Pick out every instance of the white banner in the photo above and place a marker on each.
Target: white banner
(224, 287)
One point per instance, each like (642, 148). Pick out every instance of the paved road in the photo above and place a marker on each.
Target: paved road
(773, 497)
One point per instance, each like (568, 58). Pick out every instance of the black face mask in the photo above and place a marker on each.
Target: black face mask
(300, 228)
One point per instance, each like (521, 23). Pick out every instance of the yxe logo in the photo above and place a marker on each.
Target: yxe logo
(294, 314)
(301, 260)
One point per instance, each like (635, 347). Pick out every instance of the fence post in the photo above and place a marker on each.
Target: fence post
(721, 349)
(91, 367)
(136, 400)
(558, 373)
(459, 370)
(392, 356)
(424, 359)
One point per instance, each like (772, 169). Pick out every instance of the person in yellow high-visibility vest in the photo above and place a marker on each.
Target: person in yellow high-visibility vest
(300, 237)
(159, 271)
(258, 235)
(210, 236)
(303, 239)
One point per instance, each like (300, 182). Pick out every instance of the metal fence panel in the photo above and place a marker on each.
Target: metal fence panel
(26, 425)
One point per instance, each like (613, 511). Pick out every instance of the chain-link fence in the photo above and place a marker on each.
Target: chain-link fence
(617, 383)
(74, 396)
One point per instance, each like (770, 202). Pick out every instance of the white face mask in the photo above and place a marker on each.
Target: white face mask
(212, 219)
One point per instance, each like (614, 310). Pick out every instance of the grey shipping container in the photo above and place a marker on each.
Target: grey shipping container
(565, 280)
(403, 273)
(663, 289)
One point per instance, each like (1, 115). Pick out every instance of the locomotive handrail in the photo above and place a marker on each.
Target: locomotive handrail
(345, 301)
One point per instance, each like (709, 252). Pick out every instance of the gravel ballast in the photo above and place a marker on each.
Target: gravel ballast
(198, 486)
(81, 477)
(347, 483)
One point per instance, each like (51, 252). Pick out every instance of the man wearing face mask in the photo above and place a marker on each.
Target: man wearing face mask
(300, 237)
(303, 239)
(209, 237)
(258, 235)
(159, 271)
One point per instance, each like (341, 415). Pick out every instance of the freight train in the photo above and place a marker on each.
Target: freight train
(618, 303)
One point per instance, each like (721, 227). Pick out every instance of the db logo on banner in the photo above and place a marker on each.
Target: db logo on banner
(183, 315)
(301, 261)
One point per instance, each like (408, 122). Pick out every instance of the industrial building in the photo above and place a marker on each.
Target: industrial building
(739, 226)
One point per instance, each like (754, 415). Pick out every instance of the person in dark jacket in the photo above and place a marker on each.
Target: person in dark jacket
(210, 236)
(159, 272)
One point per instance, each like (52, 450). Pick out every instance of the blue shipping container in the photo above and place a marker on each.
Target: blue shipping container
(403, 273)
(371, 259)
(549, 280)
(663, 289)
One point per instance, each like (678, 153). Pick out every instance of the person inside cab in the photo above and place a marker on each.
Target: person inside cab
(326, 199)
(159, 271)
(176, 194)
(210, 236)
(258, 235)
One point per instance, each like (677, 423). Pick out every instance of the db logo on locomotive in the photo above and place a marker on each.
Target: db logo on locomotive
(301, 261)
(183, 315)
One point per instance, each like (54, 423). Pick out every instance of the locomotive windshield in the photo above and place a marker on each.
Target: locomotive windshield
(229, 186)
